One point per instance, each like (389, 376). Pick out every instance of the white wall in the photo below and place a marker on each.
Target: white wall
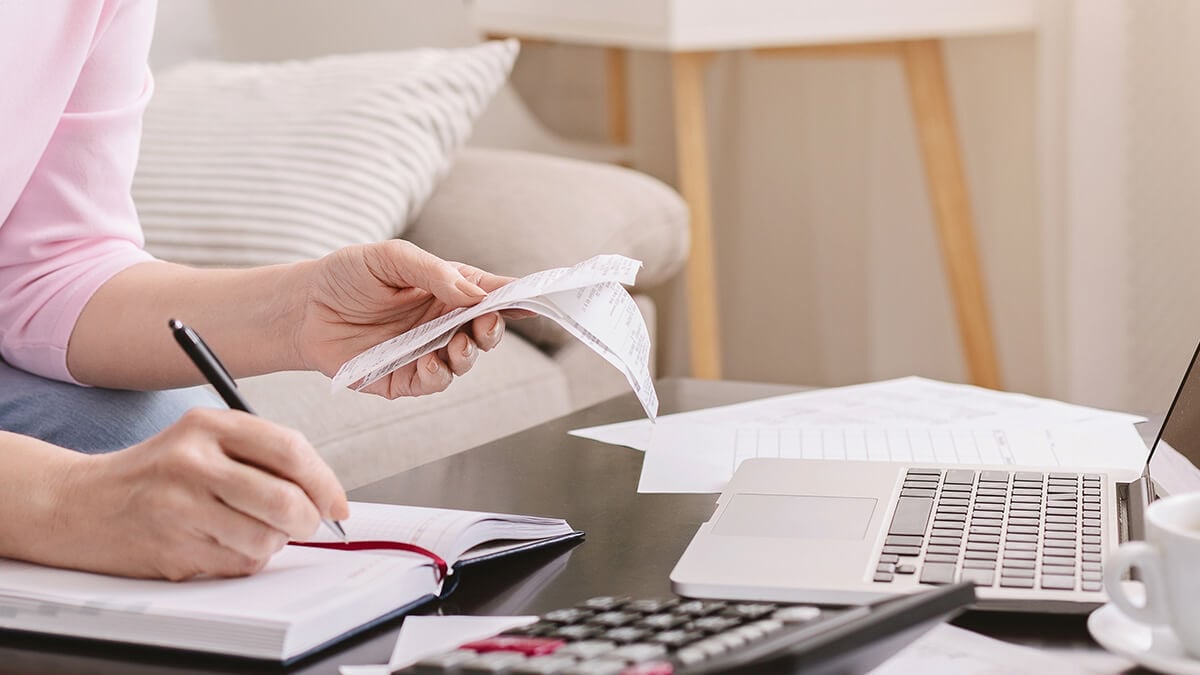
(827, 261)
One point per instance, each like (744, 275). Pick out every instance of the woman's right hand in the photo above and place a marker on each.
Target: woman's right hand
(217, 493)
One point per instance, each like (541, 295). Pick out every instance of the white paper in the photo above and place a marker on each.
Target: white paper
(950, 650)
(685, 458)
(588, 300)
(422, 636)
(905, 402)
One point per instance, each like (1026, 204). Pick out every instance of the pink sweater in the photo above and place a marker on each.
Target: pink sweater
(75, 84)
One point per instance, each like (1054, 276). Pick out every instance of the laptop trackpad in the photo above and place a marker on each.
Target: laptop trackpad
(796, 516)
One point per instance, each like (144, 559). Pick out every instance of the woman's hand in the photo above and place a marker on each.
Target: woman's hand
(360, 296)
(217, 493)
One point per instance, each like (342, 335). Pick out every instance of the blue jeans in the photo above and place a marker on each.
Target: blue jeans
(91, 420)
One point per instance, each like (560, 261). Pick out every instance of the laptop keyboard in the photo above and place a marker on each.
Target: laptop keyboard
(1005, 529)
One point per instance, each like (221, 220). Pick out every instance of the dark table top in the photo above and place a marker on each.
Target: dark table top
(633, 540)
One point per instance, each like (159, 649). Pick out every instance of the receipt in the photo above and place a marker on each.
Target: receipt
(587, 300)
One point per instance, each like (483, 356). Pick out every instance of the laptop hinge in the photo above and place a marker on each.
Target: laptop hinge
(1136, 500)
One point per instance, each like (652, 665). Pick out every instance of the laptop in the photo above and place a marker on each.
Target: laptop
(850, 532)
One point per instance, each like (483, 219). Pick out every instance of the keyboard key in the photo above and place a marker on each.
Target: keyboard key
(1058, 582)
(678, 638)
(987, 499)
(942, 549)
(914, 492)
(613, 619)
(960, 477)
(1091, 567)
(980, 555)
(1013, 536)
(980, 546)
(945, 541)
(1020, 546)
(918, 471)
(906, 568)
(978, 577)
(1057, 561)
(1020, 555)
(628, 634)
(985, 529)
(1017, 572)
(1029, 522)
(1026, 499)
(984, 538)
(798, 614)
(911, 516)
(1092, 586)
(939, 573)
(1027, 491)
(749, 610)
(1092, 576)
(979, 564)
(947, 531)
(1058, 534)
(1062, 527)
(1091, 557)
(959, 489)
(944, 509)
(994, 516)
(1055, 518)
(662, 621)
(989, 507)
(904, 541)
(1062, 544)
(1091, 539)
(952, 519)
(1014, 563)
(1091, 548)
(1095, 531)
(941, 558)
(993, 476)
(1023, 529)
(637, 653)
(570, 615)
(1035, 508)
(992, 492)
(1029, 476)
(712, 624)
(1015, 582)
(902, 550)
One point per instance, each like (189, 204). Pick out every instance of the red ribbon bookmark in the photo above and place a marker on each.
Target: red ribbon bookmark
(380, 545)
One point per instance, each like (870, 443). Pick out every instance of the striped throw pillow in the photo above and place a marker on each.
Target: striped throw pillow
(259, 163)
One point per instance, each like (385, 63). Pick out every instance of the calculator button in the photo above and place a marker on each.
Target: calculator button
(650, 606)
(750, 610)
(604, 602)
(612, 619)
(494, 662)
(651, 668)
(597, 667)
(529, 646)
(587, 649)
(676, 638)
(637, 653)
(445, 660)
(626, 634)
(570, 615)
(543, 665)
(662, 621)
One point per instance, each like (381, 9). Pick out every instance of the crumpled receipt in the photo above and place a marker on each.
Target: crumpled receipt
(588, 300)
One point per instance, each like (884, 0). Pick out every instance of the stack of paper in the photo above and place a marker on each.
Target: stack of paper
(587, 300)
(908, 419)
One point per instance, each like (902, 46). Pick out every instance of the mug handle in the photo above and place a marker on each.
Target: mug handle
(1145, 557)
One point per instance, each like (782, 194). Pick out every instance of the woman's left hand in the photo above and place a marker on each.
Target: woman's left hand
(360, 296)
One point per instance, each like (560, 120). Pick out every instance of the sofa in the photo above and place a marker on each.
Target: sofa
(505, 210)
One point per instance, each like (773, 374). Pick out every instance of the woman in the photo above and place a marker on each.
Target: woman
(174, 490)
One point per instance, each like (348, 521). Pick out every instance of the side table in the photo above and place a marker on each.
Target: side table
(693, 31)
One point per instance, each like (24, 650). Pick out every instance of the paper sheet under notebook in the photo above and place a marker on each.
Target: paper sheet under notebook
(588, 300)
(904, 402)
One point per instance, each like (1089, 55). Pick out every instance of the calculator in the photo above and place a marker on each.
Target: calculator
(613, 635)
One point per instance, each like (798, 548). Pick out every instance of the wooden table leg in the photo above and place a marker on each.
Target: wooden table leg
(617, 91)
(934, 117)
(691, 152)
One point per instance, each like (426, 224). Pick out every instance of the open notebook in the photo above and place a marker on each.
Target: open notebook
(305, 599)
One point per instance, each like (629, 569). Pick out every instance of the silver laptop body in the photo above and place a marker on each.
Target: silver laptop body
(848, 532)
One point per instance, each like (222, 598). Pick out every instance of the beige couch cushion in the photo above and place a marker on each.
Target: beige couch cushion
(366, 438)
(515, 213)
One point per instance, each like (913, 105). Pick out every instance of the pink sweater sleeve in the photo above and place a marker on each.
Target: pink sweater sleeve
(75, 85)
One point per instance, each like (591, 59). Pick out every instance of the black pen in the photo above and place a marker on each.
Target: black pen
(216, 374)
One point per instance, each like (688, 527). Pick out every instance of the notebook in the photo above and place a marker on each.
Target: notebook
(307, 598)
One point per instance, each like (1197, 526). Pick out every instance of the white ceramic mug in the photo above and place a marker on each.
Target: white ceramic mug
(1169, 564)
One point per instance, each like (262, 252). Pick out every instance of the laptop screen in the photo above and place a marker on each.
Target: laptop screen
(1181, 427)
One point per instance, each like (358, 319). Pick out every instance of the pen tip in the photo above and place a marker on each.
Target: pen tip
(175, 324)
